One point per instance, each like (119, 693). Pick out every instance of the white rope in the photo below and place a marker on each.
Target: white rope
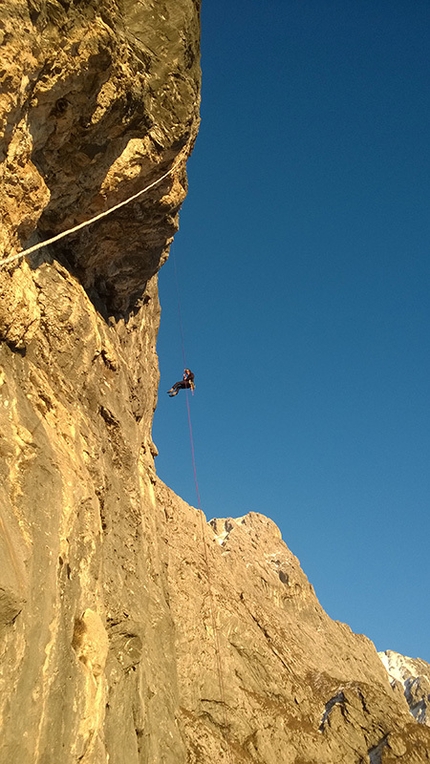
(78, 227)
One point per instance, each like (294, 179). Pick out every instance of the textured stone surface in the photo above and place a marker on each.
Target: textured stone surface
(98, 99)
(80, 567)
(295, 685)
(131, 631)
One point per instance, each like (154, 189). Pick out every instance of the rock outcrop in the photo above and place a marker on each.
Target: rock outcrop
(294, 686)
(98, 99)
(131, 630)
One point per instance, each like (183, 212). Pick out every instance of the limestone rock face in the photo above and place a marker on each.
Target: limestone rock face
(131, 630)
(264, 674)
(98, 99)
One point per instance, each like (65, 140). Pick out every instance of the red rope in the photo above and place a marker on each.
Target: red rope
(193, 455)
(202, 523)
(190, 427)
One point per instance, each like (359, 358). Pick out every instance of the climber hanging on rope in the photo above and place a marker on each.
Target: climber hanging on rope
(187, 381)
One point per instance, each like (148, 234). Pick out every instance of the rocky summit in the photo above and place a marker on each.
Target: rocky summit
(132, 631)
(412, 677)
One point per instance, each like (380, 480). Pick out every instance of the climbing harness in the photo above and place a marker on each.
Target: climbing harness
(215, 629)
(88, 222)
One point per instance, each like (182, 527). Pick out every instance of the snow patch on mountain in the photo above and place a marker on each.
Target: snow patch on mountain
(413, 674)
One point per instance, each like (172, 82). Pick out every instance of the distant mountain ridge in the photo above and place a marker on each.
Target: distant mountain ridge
(413, 676)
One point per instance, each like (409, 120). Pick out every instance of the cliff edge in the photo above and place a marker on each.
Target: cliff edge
(131, 630)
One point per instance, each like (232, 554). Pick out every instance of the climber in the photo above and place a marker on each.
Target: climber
(187, 381)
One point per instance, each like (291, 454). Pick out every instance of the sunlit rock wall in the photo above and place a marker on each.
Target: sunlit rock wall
(98, 100)
(265, 676)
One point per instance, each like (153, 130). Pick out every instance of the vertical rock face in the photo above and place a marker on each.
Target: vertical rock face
(98, 100)
(131, 631)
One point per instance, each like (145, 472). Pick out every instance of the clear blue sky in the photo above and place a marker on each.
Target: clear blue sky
(303, 266)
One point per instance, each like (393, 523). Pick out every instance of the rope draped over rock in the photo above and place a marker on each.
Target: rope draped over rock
(88, 222)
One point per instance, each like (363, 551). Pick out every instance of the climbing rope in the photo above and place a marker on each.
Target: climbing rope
(215, 629)
(91, 220)
(74, 229)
